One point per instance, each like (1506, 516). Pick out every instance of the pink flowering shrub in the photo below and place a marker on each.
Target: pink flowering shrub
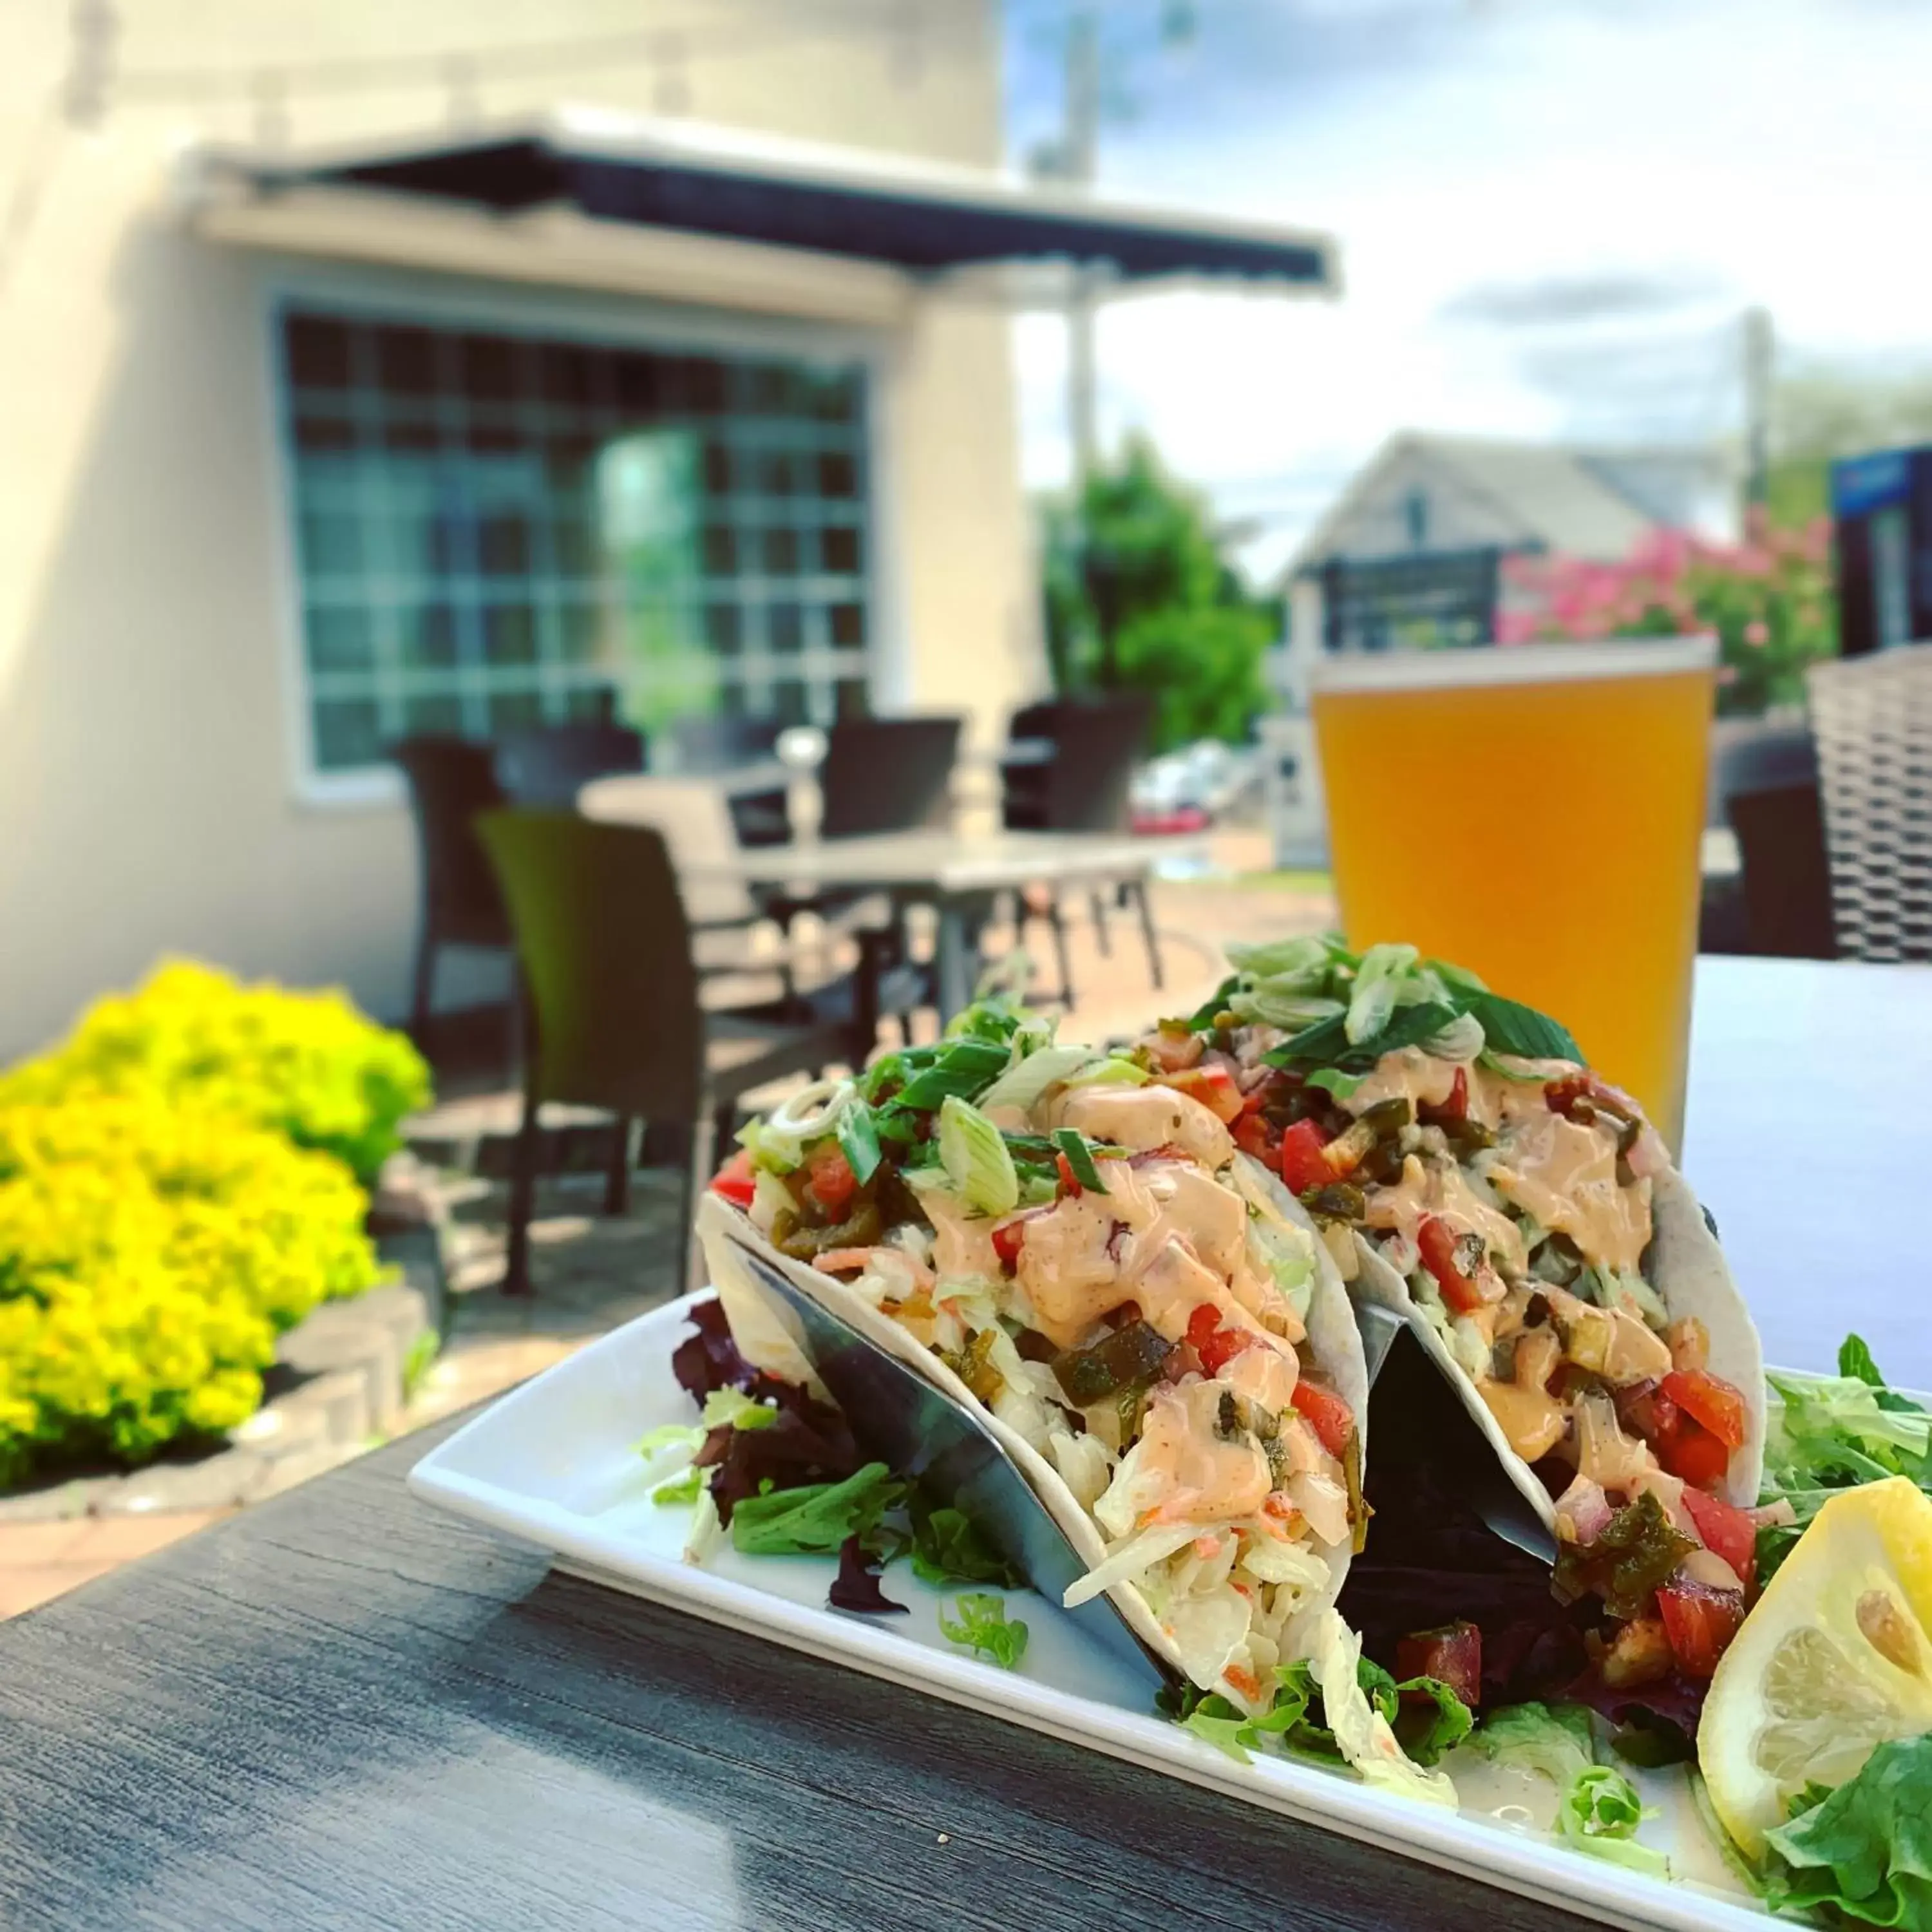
(1769, 599)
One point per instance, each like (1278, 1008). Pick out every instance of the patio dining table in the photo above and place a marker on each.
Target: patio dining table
(344, 1709)
(955, 874)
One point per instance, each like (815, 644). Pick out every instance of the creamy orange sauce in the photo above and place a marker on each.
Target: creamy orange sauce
(1532, 1422)
(1424, 1081)
(1142, 1118)
(962, 1245)
(1206, 1478)
(1439, 1187)
(1563, 1175)
(1165, 1236)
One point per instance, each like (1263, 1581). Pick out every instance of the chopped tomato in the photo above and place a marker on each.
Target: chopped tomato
(1452, 1655)
(1438, 1242)
(1214, 1087)
(1563, 1096)
(830, 1181)
(1718, 1405)
(1331, 1418)
(1644, 1409)
(1726, 1532)
(1689, 1450)
(1007, 1237)
(1216, 1346)
(1252, 1134)
(735, 1180)
(1068, 1185)
(1302, 1166)
(1700, 1623)
(1455, 1108)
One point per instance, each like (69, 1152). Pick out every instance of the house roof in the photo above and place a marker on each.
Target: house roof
(919, 217)
(1579, 501)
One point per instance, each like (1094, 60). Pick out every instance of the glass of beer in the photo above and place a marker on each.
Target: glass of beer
(1535, 813)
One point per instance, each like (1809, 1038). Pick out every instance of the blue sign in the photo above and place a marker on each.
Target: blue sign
(1862, 483)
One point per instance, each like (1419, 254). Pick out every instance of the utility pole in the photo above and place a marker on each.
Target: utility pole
(1076, 156)
(1759, 354)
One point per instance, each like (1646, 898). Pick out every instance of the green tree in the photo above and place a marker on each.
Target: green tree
(1824, 411)
(1139, 597)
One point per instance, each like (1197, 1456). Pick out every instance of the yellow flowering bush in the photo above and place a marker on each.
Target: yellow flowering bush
(150, 1253)
(308, 1064)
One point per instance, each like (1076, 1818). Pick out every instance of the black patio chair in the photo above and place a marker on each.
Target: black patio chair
(1083, 787)
(450, 780)
(547, 764)
(709, 747)
(615, 1020)
(1770, 785)
(888, 775)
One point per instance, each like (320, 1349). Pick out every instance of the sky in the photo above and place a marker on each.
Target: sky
(1551, 215)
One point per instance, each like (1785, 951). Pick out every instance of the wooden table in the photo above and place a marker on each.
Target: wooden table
(956, 875)
(343, 1709)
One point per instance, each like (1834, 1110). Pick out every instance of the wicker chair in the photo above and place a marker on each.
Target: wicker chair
(1872, 719)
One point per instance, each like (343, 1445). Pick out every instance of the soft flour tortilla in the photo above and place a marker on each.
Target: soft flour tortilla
(1687, 1268)
(767, 1336)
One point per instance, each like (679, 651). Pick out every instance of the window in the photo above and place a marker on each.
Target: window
(1415, 518)
(494, 530)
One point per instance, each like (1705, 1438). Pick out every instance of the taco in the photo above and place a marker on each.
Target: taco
(1467, 1168)
(1068, 1246)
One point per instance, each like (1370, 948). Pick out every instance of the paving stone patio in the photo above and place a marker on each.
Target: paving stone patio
(592, 1272)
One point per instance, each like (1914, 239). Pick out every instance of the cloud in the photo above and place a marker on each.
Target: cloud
(1536, 301)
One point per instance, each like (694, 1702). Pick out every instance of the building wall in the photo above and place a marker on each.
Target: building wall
(147, 793)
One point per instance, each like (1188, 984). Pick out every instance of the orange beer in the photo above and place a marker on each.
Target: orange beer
(1535, 813)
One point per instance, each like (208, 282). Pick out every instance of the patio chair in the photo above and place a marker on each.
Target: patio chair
(1768, 780)
(547, 764)
(719, 746)
(740, 939)
(616, 1020)
(1871, 718)
(450, 780)
(888, 775)
(1083, 787)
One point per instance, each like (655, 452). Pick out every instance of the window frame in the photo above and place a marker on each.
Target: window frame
(549, 313)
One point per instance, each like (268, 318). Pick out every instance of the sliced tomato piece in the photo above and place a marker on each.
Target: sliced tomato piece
(1253, 1136)
(1331, 1418)
(1700, 1623)
(1439, 1244)
(1452, 1654)
(1718, 1405)
(829, 1179)
(1453, 1110)
(1214, 1087)
(736, 1181)
(1068, 1185)
(1008, 1236)
(1726, 1531)
(1302, 1166)
(1216, 1346)
(1689, 1451)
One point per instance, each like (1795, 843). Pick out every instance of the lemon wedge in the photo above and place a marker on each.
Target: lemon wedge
(1834, 1658)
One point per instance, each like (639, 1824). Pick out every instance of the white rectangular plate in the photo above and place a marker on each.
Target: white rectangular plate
(554, 1462)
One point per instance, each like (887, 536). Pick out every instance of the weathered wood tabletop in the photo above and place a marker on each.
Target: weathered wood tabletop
(344, 1710)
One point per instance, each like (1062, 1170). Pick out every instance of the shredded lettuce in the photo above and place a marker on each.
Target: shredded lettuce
(978, 1162)
(983, 1627)
(686, 1436)
(732, 1409)
(1599, 1810)
(1363, 1733)
(682, 1488)
(1307, 961)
